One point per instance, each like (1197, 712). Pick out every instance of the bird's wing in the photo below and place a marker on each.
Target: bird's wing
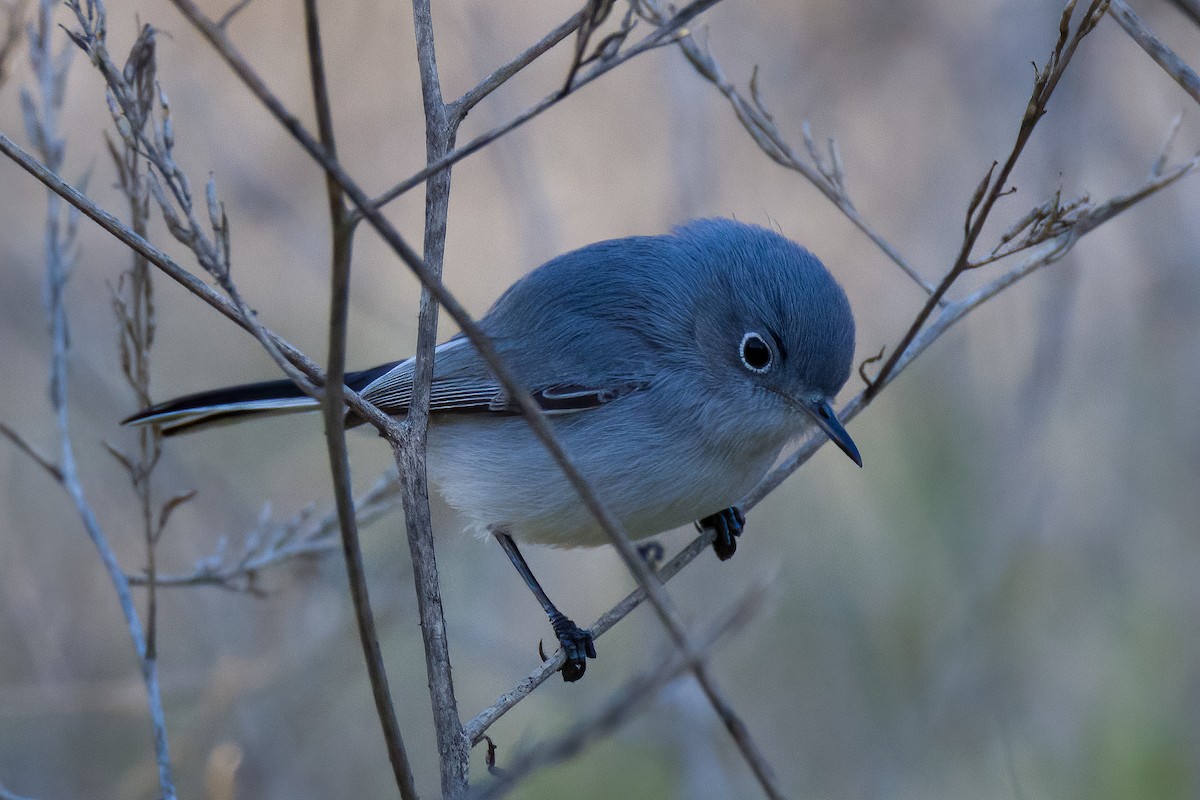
(462, 384)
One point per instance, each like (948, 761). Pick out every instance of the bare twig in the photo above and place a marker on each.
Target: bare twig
(1045, 82)
(133, 305)
(657, 38)
(459, 109)
(410, 452)
(303, 535)
(1164, 56)
(828, 178)
(141, 113)
(623, 704)
(233, 11)
(333, 410)
(41, 120)
(28, 449)
(186, 279)
(593, 15)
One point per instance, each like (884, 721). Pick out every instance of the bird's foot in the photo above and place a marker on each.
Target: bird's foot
(577, 645)
(728, 524)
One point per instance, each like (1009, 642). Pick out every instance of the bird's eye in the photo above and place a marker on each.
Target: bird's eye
(756, 355)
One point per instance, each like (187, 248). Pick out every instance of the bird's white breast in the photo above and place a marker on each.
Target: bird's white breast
(654, 474)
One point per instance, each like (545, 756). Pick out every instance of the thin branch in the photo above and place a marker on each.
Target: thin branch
(28, 449)
(623, 704)
(410, 453)
(759, 123)
(233, 11)
(189, 281)
(1164, 56)
(459, 109)
(133, 306)
(1045, 82)
(303, 535)
(137, 103)
(333, 410)
(593, 15)
(42, 120)
(653, 40)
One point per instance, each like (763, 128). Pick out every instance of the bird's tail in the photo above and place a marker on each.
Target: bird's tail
(237, 403)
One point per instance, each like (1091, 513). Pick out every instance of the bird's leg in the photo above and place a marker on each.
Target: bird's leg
(728, 524)
(576, 642)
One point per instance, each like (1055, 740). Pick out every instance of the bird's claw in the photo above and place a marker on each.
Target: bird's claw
(728, 524)
(577, 645)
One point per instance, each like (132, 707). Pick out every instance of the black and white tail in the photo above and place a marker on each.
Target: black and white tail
(237, 403)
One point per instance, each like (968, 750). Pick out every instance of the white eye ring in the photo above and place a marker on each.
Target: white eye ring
(756, 353)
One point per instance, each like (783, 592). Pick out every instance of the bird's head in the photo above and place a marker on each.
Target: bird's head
(774, 329)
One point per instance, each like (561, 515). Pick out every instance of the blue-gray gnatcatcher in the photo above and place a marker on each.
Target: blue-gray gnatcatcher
(675, 367)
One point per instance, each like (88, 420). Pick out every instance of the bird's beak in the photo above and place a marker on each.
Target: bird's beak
(822, 414)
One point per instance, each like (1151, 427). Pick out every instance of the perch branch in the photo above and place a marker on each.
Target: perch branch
(625, 702)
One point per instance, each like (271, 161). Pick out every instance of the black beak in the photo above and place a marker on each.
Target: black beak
(822, 414)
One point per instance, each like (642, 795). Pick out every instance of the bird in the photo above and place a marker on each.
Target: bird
(674, 368)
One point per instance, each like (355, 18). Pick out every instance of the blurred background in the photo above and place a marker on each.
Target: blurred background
(1003, 603)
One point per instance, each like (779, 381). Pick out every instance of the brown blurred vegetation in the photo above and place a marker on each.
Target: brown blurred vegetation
(1001, 604)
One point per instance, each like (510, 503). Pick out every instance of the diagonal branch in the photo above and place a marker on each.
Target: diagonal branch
(625, 702)
(995, 185)
(185, 278)
(758, 122)
(653, 40)
(1164, 56)
(28, 449)
(459, 109)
